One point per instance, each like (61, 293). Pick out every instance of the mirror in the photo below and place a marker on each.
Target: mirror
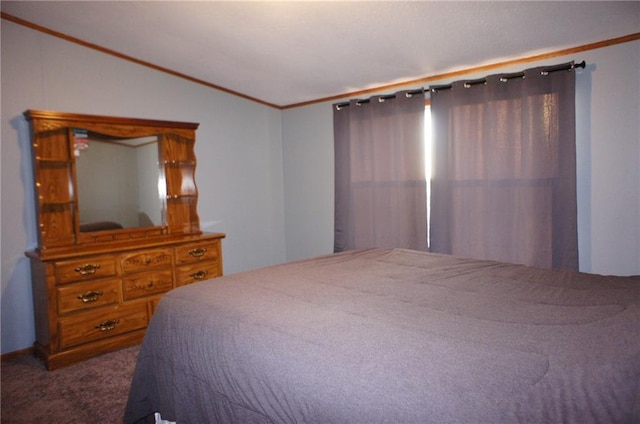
(118, 181)
(104, 179)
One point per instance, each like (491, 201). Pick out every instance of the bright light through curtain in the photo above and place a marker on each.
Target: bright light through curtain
(380, 187)
(504, 177)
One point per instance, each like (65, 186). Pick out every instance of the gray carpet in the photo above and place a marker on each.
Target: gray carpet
(94, 391)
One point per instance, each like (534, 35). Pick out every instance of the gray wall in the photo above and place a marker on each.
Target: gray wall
(259, 168)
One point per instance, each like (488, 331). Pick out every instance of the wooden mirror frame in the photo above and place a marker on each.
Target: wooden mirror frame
(56, 187)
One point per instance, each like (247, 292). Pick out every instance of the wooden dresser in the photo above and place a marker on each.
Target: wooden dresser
(95, 291)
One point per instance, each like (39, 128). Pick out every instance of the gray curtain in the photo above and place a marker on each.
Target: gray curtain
(504, 176)
(380, 186)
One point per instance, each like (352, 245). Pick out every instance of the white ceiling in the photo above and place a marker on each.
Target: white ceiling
(288, 52)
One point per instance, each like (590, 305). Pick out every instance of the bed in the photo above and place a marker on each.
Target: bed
(393, 336)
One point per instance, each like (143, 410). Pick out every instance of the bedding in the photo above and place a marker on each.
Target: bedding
(393, 336)
(99, 226)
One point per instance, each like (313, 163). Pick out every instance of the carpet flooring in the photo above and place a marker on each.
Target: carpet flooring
(94, 391)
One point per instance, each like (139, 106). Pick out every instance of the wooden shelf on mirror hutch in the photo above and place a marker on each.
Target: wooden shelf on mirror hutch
(117, 227)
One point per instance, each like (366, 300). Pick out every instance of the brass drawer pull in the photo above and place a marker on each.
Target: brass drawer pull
(108, 325)
(198, 252)
(200, 275)
(87, 269)
(90, 296)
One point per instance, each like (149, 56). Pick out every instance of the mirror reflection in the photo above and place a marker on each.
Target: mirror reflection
(118, 181)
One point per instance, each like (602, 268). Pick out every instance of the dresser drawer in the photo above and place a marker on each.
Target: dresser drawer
(147, 284)
(91, 326)
(81, 296)
(153, 305)
(191, 253)
(140, 261)
(85, 269)
(188, 274)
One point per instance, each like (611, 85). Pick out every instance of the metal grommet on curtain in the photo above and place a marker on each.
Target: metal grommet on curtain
(564, 67)
(507, 77)
(468, 84)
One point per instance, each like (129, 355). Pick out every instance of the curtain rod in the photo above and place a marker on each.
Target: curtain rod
(381, 98)
(505, 77)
